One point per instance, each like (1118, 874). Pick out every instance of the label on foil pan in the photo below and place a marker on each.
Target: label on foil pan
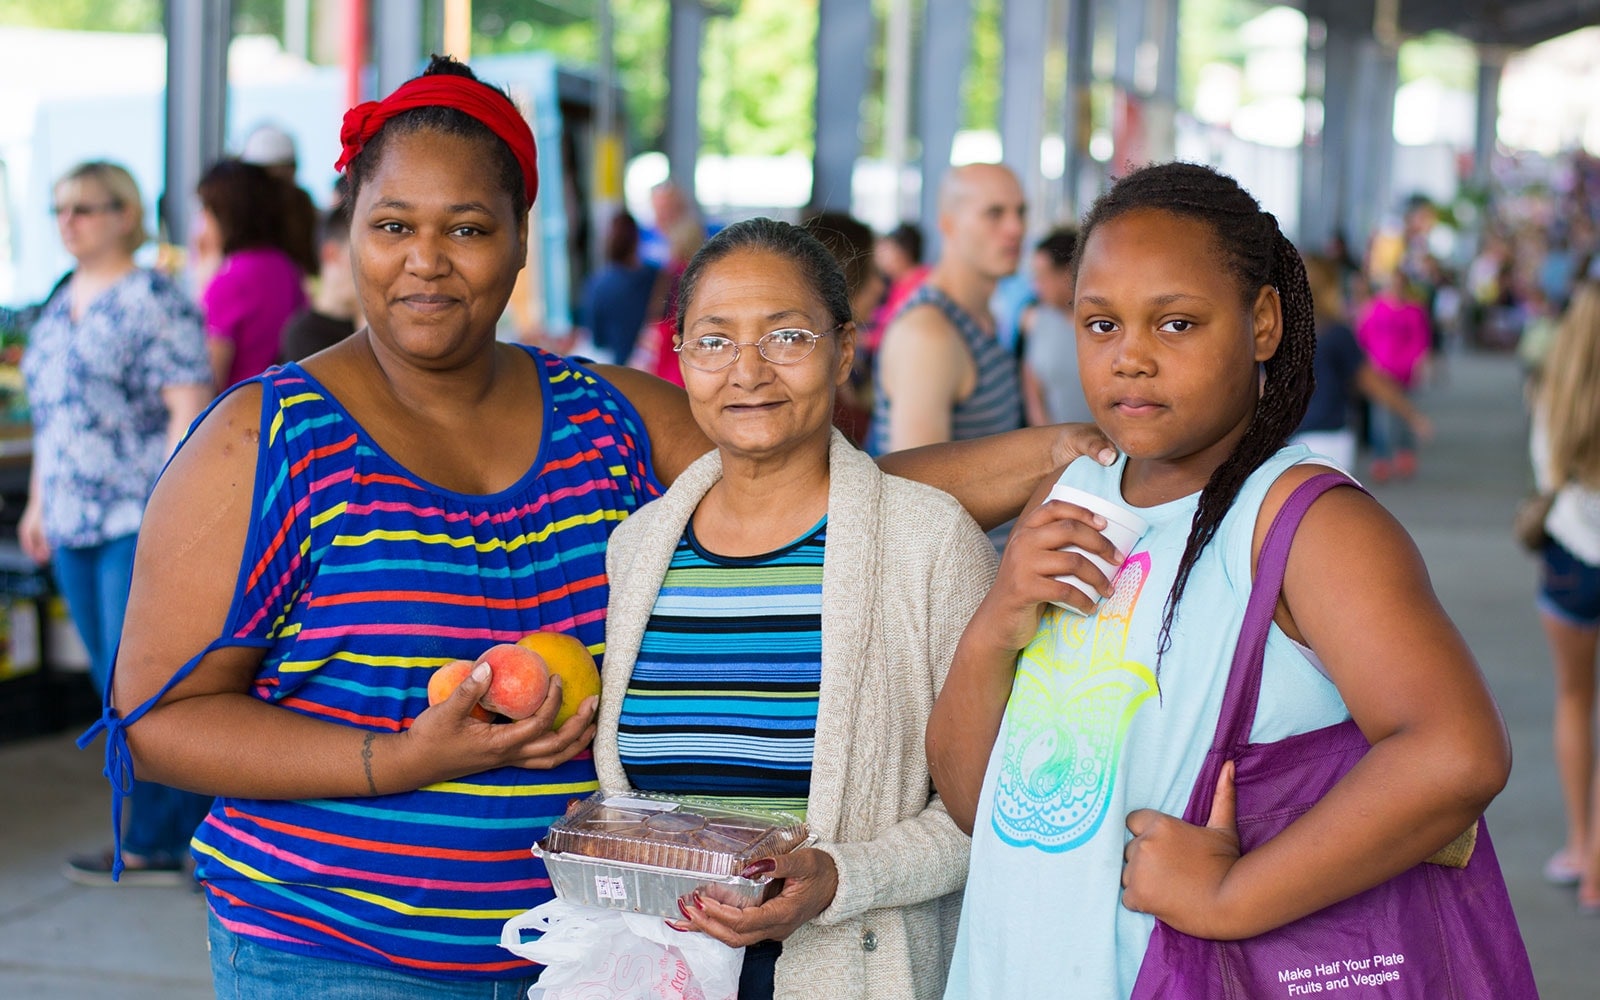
(643, 805)
(610, 887)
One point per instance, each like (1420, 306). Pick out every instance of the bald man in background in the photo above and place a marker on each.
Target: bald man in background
(942, 374)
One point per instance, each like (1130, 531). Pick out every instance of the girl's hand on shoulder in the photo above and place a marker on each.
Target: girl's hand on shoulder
(460, 742)
(1176, 871)
(1036, 554)
(810, 880)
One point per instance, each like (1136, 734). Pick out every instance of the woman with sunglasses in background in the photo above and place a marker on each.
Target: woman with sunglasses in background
(116, 371)
(779, 624)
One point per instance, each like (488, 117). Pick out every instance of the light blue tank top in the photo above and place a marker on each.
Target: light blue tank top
(1092, 733)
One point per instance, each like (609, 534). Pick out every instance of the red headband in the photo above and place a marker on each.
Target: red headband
(468, 96)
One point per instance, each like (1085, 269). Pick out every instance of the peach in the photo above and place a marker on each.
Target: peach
(447, 678)
(519, 682)
(569, 659)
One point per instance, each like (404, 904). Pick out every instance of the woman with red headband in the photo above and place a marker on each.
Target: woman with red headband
(334, 530)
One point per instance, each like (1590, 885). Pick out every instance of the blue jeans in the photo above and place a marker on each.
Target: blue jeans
(242, 969)
(1569, 588)
(1390, 433)
(757, 974)
(94, 580)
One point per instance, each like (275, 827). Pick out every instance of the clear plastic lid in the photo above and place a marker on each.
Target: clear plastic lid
(663, 831)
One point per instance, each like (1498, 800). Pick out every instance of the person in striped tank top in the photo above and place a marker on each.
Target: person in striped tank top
(779, 625)
(941, 373)
(332, 531)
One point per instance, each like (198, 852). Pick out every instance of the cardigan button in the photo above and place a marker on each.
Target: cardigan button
(869, 941)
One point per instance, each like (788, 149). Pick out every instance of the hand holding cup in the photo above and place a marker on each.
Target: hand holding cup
(1123, 530)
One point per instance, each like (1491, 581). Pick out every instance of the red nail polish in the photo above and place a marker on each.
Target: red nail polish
(756, 869)
(695, 896)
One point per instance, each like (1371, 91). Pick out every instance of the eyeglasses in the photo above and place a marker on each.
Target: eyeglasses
(781, 347)
(80, 211)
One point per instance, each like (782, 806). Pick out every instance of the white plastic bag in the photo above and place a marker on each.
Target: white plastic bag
(591, 953)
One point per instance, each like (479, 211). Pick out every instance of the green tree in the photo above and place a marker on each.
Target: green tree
(83, 15)
(1447, 58)
(758, 84)
(758, 64)
(980, 83)
(639, 46)
(249, 16)
(1208, 32)
(258, 17)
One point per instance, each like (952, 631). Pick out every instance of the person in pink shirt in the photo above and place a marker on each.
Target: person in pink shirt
(1393, 331)
(258, 286)
(898, 255)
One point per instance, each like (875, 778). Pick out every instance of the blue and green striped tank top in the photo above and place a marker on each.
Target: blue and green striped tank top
(723, 696)
(358, 580)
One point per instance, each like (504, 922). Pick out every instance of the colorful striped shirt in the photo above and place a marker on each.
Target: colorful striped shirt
(723, 698)
(995, 405)
(358, 580)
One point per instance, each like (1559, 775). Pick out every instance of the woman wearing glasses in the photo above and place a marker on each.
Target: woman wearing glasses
(779, 624)
(116, 370)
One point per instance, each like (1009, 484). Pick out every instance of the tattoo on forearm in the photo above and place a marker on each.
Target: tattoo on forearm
(366, 761)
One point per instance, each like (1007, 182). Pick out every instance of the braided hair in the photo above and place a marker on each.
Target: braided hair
(1252, 248)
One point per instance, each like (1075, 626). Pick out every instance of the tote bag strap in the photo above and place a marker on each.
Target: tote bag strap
(1238, 714)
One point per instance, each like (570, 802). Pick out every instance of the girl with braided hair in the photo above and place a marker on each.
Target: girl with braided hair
(1068, 741)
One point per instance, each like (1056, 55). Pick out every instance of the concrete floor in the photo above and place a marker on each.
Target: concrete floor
(70, 943)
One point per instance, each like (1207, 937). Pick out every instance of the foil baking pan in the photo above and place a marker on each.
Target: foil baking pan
(618, 885)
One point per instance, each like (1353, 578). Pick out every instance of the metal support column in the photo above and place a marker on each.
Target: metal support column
(1330, 57)
(685, 36)
(605, 193)
(1146, 79)
(297, 28)
(198, 32)
(897, 104)
(1369, 144)
(1133, 77)
(1079, 123)
(1161, 116)
(1023, 42)
(844, 37)
(1491, 63)
(396, 42)
(946, 46)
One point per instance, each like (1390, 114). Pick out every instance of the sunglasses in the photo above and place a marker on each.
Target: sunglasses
(82, 211)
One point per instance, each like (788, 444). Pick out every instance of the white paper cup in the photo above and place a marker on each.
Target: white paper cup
(1123, 529)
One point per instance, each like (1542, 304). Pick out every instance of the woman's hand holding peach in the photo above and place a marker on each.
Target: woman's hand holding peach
(810, 881)
(455, 737)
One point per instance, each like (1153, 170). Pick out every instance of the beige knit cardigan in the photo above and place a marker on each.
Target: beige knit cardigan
(903, 571)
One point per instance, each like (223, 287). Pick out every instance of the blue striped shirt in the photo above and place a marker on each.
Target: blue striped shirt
(723, 698)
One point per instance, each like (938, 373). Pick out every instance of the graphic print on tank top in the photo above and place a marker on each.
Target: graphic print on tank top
(1075, 696)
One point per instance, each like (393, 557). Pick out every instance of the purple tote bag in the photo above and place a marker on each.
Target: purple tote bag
(1430, 933)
